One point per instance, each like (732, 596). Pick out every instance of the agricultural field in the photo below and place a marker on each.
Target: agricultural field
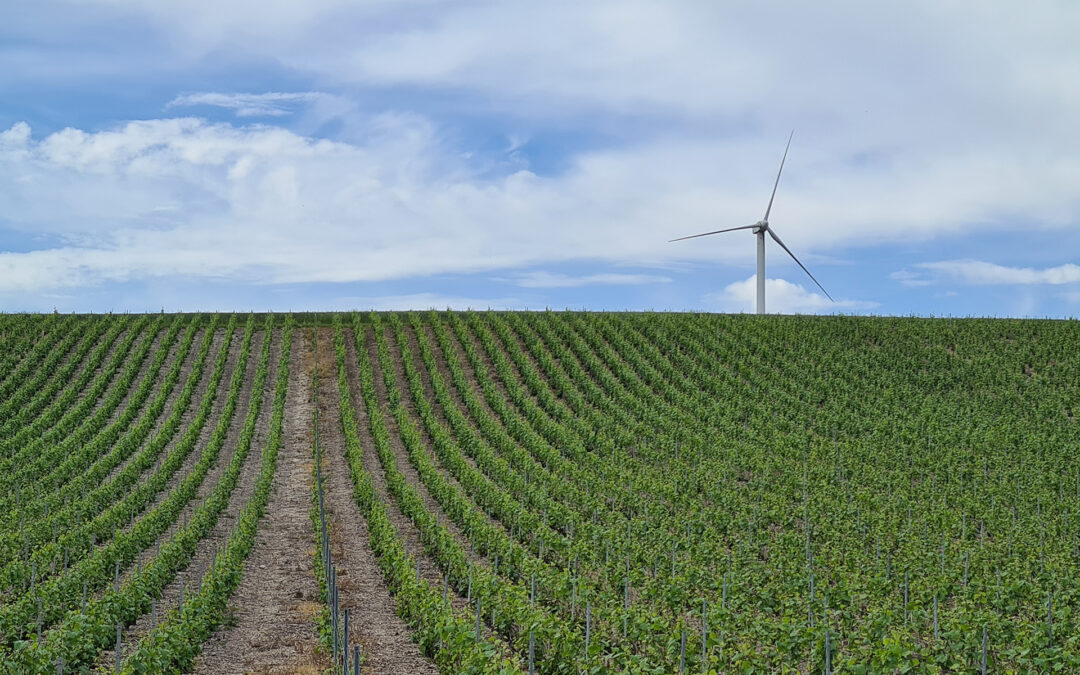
(553, 492)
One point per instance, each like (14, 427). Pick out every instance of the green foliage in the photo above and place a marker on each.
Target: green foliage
(887, 487)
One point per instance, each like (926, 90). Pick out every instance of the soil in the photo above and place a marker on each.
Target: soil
(274, 607)
(384, 637)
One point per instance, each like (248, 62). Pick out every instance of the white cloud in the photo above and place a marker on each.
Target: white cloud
(913, 122)
(981, 273)
(425, 301)
(921, 73)
(909, 278)
(781, 297)
(188, 197)
(270, 104)
(548, 280)
(15, 138)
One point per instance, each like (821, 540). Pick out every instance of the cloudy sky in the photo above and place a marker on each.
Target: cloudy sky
(335, 154)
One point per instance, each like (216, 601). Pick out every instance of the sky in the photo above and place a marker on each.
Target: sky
(407, 154)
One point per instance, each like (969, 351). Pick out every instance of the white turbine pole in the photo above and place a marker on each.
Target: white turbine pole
(760, 228)
(761, 271)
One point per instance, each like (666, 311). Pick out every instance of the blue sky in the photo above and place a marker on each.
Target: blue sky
(332, 155)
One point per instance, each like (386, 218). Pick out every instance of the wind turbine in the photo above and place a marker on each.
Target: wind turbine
(760, 228)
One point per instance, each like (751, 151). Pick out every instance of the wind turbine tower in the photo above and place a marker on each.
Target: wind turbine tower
(760, 228)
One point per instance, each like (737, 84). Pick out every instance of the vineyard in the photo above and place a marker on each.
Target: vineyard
(549, 492)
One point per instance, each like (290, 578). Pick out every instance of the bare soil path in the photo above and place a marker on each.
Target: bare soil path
(384, 637)
(275, 605)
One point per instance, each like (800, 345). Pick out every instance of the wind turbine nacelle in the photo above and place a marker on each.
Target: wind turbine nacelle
(760, 226)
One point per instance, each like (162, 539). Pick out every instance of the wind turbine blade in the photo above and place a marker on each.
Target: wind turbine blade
(705, 234)
(777, 239)
(768, 210)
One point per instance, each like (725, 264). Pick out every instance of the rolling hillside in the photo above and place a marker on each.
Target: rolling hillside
(562, 492)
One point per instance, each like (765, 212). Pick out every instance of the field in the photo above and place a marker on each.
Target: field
(563, 492)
